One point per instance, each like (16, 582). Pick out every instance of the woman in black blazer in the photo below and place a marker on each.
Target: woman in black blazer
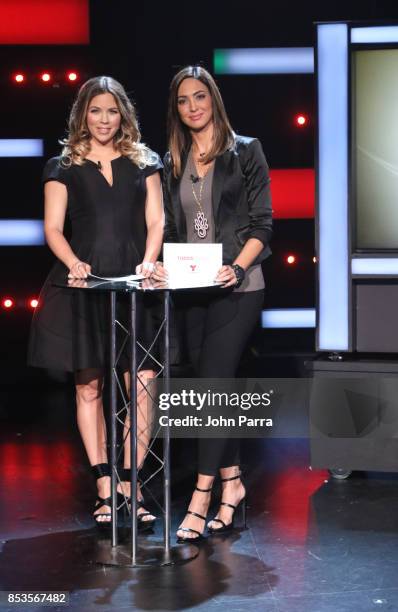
(216, 189)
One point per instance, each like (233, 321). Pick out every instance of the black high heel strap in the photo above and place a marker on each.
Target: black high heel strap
(232, 478)
(125, 474)
(229, 505)
(189, 530)
(203, 490)
(196, 514)
(100, 470)
(216, 520)
(103, 501)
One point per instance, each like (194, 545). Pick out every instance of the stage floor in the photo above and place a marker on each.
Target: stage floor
(314, 544)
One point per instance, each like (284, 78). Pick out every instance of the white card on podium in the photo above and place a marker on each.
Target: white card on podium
(192, 264)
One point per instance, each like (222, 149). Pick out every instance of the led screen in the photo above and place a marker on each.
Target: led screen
(375, 148)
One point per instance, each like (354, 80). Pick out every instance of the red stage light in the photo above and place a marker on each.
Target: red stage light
(7, 303)
(291, 259)
(19, 78)
(293, 193)
(72, 76)
(33, 303)
(45, 77)
(44, 22)
(301, 120)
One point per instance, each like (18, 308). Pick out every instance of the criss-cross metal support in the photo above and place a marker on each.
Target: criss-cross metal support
(140, 551)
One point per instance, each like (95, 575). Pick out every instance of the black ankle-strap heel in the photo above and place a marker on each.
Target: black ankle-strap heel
(142, 524)
(99, 471)
(199, 535)
(242, 504)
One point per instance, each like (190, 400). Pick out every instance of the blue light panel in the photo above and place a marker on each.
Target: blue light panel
(375, 34)
(332, 82)
(21, 232)
(283, 60)
(286, 318)
(374, 265)
(21, 147)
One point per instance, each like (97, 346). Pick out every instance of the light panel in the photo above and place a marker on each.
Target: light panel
(332, 82)
(44, 22)
(375, 34)
(278, 60)
(293, 193)
(21, 147)
(21, 232)
(374, 265)
(287, 318)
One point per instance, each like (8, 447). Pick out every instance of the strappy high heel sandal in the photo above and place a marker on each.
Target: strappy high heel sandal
(142, 523)
(100, 470)
(230, 526)
(199, 535)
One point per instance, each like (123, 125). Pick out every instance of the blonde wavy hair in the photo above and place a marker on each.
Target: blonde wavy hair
(127, 139)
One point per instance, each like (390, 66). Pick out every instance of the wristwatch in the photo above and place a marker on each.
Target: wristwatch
(239, 273)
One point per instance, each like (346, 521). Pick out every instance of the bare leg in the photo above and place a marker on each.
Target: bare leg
(144, 428)
(200, 504)
(233, 492)
(91, 423)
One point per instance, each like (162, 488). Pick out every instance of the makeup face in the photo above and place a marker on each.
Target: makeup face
(103, 118)
(194, 104)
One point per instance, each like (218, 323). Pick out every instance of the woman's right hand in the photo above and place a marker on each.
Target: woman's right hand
(79, 269)
(160, 273)
(77, 282)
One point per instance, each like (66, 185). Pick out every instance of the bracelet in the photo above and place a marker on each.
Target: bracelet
(148, 265)
(239, 273)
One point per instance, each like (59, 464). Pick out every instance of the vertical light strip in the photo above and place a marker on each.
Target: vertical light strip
(21, 147)
(332, 82)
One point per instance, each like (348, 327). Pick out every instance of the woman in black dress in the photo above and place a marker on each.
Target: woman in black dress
(107, 183)
(216, 189)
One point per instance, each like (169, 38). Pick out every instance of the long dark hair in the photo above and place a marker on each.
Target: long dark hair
(178, 133)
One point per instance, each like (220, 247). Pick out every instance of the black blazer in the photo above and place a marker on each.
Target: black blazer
(241, 199)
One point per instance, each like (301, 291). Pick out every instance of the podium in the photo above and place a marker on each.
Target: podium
(136, 553)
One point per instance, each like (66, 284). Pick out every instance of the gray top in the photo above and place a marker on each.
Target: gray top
(190, 205)
(254, 279)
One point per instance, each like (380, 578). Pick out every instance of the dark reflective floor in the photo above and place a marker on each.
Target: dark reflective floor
(314, 544)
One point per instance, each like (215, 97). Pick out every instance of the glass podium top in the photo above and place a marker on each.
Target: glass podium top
(146, 284)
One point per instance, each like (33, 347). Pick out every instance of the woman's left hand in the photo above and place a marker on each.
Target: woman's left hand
(227, 276)
(145, 269)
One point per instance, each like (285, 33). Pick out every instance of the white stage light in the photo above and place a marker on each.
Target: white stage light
(21, 147)
(375, 34)
(21, 232)
(374, 265)
(333, 330)
(278, 60)
(285, 318)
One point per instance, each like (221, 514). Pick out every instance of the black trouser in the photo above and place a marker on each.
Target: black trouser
(217, 330)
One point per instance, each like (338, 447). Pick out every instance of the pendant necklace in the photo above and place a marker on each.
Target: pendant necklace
(201, 224)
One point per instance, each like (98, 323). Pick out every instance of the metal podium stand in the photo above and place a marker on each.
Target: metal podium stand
(149, 552)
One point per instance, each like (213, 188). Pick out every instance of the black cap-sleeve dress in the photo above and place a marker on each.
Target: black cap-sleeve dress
(108, 230)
